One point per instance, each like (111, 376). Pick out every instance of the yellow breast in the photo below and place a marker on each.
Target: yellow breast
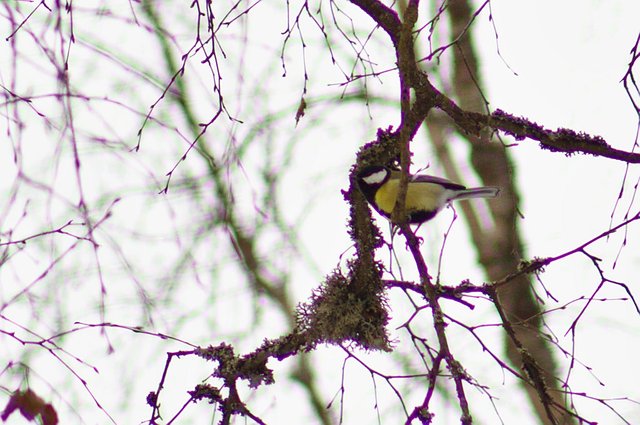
(420, 196)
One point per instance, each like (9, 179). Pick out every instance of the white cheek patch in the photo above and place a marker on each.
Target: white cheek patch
(375, 178)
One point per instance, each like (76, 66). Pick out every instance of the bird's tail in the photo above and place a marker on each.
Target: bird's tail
(477, 192)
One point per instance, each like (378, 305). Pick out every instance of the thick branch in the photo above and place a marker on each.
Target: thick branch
(520, 128)
(561, 140)
(384, 16)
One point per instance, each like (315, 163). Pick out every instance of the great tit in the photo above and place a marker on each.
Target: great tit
(426, 195)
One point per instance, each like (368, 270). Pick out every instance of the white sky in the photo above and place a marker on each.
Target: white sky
(569, 58)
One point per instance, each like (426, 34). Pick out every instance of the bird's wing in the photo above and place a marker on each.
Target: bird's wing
(423, 178)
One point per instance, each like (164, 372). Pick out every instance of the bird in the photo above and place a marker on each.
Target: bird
(426, 195)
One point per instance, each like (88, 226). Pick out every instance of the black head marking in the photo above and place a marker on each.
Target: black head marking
(370, 178)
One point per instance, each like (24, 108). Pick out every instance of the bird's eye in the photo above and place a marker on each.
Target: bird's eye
(375, 178)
